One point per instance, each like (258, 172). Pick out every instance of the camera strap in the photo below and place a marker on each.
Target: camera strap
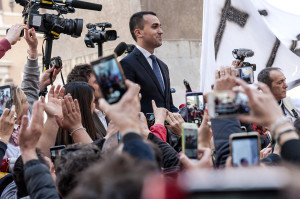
(289, 106)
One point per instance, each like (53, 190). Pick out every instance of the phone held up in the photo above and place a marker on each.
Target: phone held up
(5, 98)
(244, 149)
(190, 140)
(194, 107)
(222, 104)
(110, 77)
(246, 74)
(55, 151)
(151, 120)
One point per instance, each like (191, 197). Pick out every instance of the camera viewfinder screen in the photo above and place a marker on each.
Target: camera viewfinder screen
(110, 79)
(230, 103)
(246, 73)
(190, 138)
(5, 98)
(195, 108)
(245, 152)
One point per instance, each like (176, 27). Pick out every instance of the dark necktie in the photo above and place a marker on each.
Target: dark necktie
(156, 71)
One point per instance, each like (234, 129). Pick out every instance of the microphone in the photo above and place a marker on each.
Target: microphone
(120, 49)
(73, 3)
(243, 52)
(86, 5)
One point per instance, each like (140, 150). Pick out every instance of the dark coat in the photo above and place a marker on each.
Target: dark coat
(137, 69)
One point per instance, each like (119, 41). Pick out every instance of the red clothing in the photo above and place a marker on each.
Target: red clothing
(4, 46)
(160, 131)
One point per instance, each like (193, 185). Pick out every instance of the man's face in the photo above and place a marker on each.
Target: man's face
(279, 86)
(151, 35)
(93, 82)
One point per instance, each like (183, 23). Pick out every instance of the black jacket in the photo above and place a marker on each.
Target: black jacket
(138, 70)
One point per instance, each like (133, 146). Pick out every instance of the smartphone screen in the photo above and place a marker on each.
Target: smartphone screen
(5, 98)
(190, 140)
(246, 74)
(195, 107)
(245, 151)
(110, 78)
(227, 104)
(55, 151)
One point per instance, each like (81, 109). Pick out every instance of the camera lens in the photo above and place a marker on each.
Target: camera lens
(73, 27)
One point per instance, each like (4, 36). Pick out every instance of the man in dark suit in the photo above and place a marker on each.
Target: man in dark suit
(143, 67)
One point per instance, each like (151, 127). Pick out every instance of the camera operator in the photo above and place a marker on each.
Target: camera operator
(276, 81)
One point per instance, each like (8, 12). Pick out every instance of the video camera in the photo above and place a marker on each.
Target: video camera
(50, 24)
(99, 36)
(241, 53)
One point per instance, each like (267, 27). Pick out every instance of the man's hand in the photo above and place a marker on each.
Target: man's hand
(53, 106)
(175, 123)
(225, 79)
(237, 64)
(7, 121)
(71, 114)
(45, 79)
(31, 39)
(13, 35)
(160, 114)
(125, 113)
(30, 135)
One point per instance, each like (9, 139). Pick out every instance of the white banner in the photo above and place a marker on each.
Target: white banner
(251, 24)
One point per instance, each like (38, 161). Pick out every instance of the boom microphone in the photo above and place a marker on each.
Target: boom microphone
(86, 5)
(120, 49)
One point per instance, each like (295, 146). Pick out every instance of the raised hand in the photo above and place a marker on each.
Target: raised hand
(31, 39)
(175, 123)
(30, 135)
(13, 35)
(71, 114)
(45, 78)
(7, 121)
(160, 114)
(205, 160)
(54, 104)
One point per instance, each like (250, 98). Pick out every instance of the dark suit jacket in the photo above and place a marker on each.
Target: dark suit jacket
(138, 70)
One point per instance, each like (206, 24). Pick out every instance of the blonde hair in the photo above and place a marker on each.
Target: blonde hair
(17, 97)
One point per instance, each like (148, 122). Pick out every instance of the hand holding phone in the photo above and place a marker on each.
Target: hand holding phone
(110, 77)
(190, 140)
(5, 98)
(246, 74)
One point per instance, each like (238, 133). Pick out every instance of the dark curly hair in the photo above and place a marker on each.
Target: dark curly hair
(80, 73)
(72, 161)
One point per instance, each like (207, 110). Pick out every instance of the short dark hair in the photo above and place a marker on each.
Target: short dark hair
(80, 73)
(137, 21)
(120, 176)
(73, 160)
(264, 75)
(18, 173)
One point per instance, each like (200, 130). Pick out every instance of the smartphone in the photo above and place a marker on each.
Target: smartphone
(195, 107)
(190, 140)
(5, 98)
(151, 119)
(244, 149)
(246, 74)
(227, 104)
(21, 34)
(110, 77)
(55, 151)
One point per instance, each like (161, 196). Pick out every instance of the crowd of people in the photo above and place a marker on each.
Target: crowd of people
(108, 150)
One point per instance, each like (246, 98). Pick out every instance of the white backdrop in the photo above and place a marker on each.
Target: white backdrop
(258, 34)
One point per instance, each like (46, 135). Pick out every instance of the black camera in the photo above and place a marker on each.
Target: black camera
(56, 61)
(99, 36)
(53, 25)
(241, 53)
